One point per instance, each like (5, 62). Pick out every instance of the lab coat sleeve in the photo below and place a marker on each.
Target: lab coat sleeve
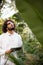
(20, 43)
(2, 51)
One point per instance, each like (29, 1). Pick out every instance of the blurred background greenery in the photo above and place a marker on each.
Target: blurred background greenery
(32, 12)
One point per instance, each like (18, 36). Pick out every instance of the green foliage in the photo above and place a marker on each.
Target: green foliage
(0, 29)
(32, 12)
(15, 60)
(17, 17)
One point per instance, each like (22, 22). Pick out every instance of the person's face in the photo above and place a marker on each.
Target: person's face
(10, 25)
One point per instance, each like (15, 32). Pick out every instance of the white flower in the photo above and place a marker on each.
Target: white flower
(8, 10)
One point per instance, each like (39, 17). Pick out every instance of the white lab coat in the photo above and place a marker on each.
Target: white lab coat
(8, 41)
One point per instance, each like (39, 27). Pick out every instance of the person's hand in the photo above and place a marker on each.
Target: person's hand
(8, 52)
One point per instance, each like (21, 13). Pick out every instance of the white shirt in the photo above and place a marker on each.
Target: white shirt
(8, 41)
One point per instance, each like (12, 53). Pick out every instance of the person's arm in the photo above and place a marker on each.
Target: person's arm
(2, 51)
(8, 51)
(19, 46)
(20, 43)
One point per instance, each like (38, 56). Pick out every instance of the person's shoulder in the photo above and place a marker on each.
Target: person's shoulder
(3, 34)
(18, 35)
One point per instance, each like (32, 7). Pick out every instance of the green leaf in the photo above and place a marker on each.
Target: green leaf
(15, 60)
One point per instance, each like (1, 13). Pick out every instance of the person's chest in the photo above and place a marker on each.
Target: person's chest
(10, 41)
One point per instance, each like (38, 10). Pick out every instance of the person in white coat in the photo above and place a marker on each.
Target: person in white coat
(9, 40)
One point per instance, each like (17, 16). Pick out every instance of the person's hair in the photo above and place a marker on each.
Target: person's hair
(4, 27)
